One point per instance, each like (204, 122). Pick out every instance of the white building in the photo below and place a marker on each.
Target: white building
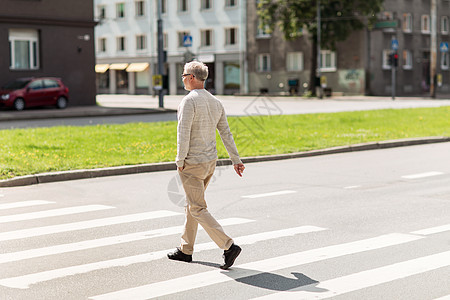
(126, 44)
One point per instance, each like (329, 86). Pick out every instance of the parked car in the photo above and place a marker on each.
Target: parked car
(28, 92)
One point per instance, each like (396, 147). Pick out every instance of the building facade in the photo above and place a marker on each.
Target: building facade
(359, 65)
(210, 31)
(49, 38)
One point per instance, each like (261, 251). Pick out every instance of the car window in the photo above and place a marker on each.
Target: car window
(15, 85)
(50, 83)
(36, 85)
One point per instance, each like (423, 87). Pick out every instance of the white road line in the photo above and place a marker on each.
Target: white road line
(443, 298)
(433, 230)
(54, 213)
(353, 282)
(185, 283)
(90, 244)
(39, 231)
(352, 187)
(24, 204)
(269, 194)
(24, 282)
(422, 175)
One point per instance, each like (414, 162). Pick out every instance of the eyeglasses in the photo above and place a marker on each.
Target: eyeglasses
(184, 75)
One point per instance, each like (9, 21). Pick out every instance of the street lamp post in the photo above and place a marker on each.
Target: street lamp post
(160, 53)
(318, 49)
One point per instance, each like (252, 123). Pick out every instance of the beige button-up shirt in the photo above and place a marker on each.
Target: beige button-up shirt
(199, 115)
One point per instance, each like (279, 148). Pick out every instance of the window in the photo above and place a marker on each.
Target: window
(141, 42)
(263, 31)
(407, 60)
(425, 24)
(36, 85)
(49, 83)
(327, 61)
(294, 61)
(444, 25)
(407, 22)
(230, 3)
(387, 16)
(231, 36)
(102, 45)
(263, 63)
(206, 38)
(181, 35)
(386, 63)
(206, 4)
(182, 5)
(140, 8)
(24, 49)
(165, 41)
(101, 12)
(120, 10)
(444, 61)
(121, 43)
(163, 6)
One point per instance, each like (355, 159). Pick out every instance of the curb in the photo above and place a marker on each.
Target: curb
(170, 166)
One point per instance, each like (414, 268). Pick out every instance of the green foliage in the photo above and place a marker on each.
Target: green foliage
(339, 17)
(37, 150)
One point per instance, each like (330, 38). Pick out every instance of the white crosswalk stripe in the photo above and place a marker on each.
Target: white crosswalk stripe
(24, 204)
(53, 213)
(353, 282)
(39, 231)
(181, 284)
(25, 281)
(61, 250)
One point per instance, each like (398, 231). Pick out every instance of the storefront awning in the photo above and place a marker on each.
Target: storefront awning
(101, 68)
(137, 67)
(121, 66)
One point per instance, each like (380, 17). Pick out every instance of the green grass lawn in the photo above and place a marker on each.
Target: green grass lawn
(38, 150)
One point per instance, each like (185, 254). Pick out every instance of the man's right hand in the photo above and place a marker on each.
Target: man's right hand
(239, 168)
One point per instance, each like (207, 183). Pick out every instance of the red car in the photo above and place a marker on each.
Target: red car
(28, 92)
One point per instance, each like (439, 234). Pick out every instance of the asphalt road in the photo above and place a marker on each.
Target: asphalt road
(363, 225)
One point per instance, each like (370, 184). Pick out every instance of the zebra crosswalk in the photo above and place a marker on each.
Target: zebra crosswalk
(22, 270)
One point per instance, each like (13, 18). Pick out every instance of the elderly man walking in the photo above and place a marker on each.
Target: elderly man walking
(199, 115)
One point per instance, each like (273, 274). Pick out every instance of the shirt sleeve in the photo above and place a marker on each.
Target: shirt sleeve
(185, 118)
(227, 138)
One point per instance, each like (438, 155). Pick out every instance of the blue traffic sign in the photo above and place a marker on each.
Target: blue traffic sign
(444, 47)
(187, 41)
(394, 44)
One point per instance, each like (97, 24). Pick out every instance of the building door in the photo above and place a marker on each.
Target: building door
(210, 81)
(425, 84)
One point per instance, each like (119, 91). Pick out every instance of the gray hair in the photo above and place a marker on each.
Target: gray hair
(198, 69)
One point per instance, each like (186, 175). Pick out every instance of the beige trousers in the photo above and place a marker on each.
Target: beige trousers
(195, 179)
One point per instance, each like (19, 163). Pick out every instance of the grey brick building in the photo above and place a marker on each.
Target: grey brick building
(359, 65)
(49, 38)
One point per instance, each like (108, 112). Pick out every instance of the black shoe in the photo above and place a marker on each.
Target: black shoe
(178, 255)
(230, 256)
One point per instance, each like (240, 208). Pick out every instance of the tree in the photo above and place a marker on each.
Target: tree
(339, 18)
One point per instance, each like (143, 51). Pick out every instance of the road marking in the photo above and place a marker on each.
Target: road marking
(433, 230)
(24, 282)
(269, 194)
(89, 244)
(443, 298)
(54, 213)
(352, 187)
(39, 231)
(422, 175)
(185, 283)
(24, 204)
(353, 282)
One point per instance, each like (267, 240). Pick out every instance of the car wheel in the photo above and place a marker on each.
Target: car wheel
(61, 103)
(19, 104)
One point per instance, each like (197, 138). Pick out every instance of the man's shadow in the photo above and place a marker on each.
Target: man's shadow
(270, 281)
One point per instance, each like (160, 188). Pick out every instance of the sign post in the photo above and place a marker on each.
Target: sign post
(394, 47)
